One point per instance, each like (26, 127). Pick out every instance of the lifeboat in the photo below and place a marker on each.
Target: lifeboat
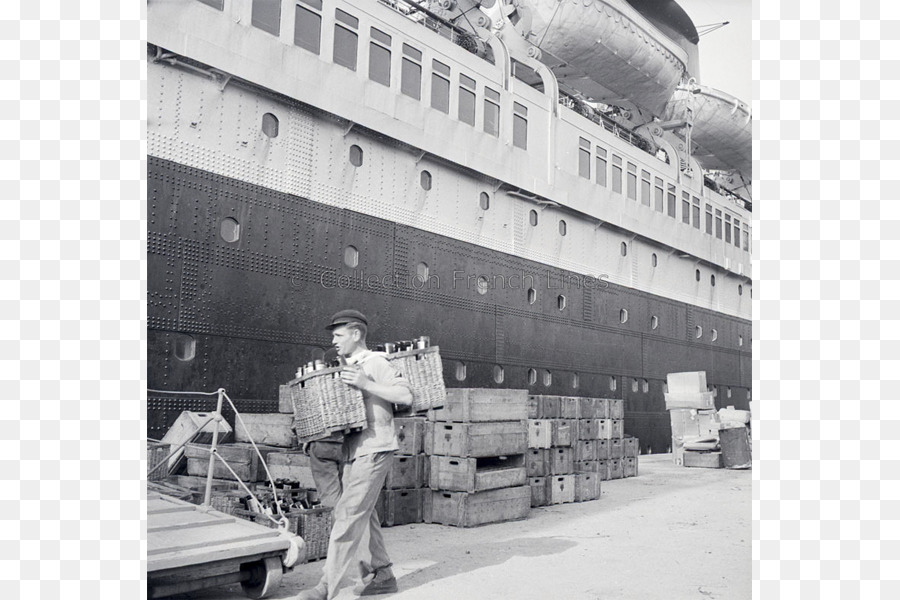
(609, 50)
(721, 134)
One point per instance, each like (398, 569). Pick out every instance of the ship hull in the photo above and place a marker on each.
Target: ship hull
(253, 308)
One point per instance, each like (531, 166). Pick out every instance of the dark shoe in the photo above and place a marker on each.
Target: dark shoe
(384, 582)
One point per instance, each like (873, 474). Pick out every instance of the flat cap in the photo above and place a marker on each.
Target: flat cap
(345, 317)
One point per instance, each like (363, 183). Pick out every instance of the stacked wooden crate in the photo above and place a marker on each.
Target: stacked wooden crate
(695, 422)
(401, 501)
(476, 447)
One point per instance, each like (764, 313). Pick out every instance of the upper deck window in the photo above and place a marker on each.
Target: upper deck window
(709, 219)
(718, 223)
(727, 228)
(658, 195)
(631, 187)
(696, 212)
(584, 158)
(346, 39)
(520, 126)
(466, 100)
(601, 166)
(266, 15)
(685, 208)
(737, 233)
(380, 57)
(746, 238)
(645, 187)
(411, 72)
(308, 25)
(440, 86)
(617, 174)
(491, 112)
(670, 197)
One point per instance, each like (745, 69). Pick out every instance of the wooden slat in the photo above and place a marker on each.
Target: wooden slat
(185, 520)
(241, 549)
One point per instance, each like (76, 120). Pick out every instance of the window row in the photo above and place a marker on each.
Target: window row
(658, 194)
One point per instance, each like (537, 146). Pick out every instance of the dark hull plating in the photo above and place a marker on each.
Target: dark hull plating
(255, 308)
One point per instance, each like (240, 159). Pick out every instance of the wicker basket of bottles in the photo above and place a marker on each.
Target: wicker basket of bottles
(324, 404)
(156, 453)
(423, 369)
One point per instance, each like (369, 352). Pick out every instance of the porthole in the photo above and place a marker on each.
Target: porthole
(623, 316)
(185, 347)
(532, 376)
(533, 218)
(624, 249)
(645, 385)
(698, 332)
(613, 384)
(230, 230)
(634, 385)
(498, 374)
(748, 395)
(482, 284)
(728, 392)
(653, 260)
(740, 290)
(351, 257)
(654, 322)
(425, 180)
(356, 156)
(715, 335)
(532, 296)
(484, 201)
(712, 280)
(697, 274)
(561, 302)
(665, 388)
(270, 125)
(562, 228)
(740, 340)
(548, 378)
(575, 381)
(422, 272)
(460, 371)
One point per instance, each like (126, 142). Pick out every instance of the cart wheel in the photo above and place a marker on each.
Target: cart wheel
(265, 578)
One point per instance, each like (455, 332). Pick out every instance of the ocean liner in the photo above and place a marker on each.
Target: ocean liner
(542, 187)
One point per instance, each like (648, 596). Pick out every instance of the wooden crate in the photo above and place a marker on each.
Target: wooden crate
(285, 401)
(548, 407)
(587, 486)
(593, 429)
(401, 507)
(156, 453)
(616, 449)
(587, 466)
(708, 460)
(272, 429)
(615, 468)
(476, 439)
(186, 425)
(601, 410)
(533, 407)
(539, 491)
(563, 432)
(468, 509)
(561, 461)
(405, 472)
(450, 473)
(686, 383)
(585, 450)
(537, 462)
(616, 429)
(562, 489)
(629, 466)
(240, 457)
(568, 407)
(603, 470)
(616, 408)
(410, 434)
(293, 466)
(631, 446)
(477, 405)
(602, 449)
(540, 433)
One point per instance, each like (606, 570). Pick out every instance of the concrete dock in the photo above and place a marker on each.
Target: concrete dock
(670, 533)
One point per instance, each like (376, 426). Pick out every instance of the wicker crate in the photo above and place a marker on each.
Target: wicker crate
(156, 453)
(324, 404)
(314, 526)
(423, 369)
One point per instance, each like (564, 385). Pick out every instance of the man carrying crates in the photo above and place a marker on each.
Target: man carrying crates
(367, 454)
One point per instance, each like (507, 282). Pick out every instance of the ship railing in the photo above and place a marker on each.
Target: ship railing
(417, 12)
(604, 121)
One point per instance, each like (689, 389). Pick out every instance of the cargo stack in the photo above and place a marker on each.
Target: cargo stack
(402, 499)
(695, 423)
(476, 451)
